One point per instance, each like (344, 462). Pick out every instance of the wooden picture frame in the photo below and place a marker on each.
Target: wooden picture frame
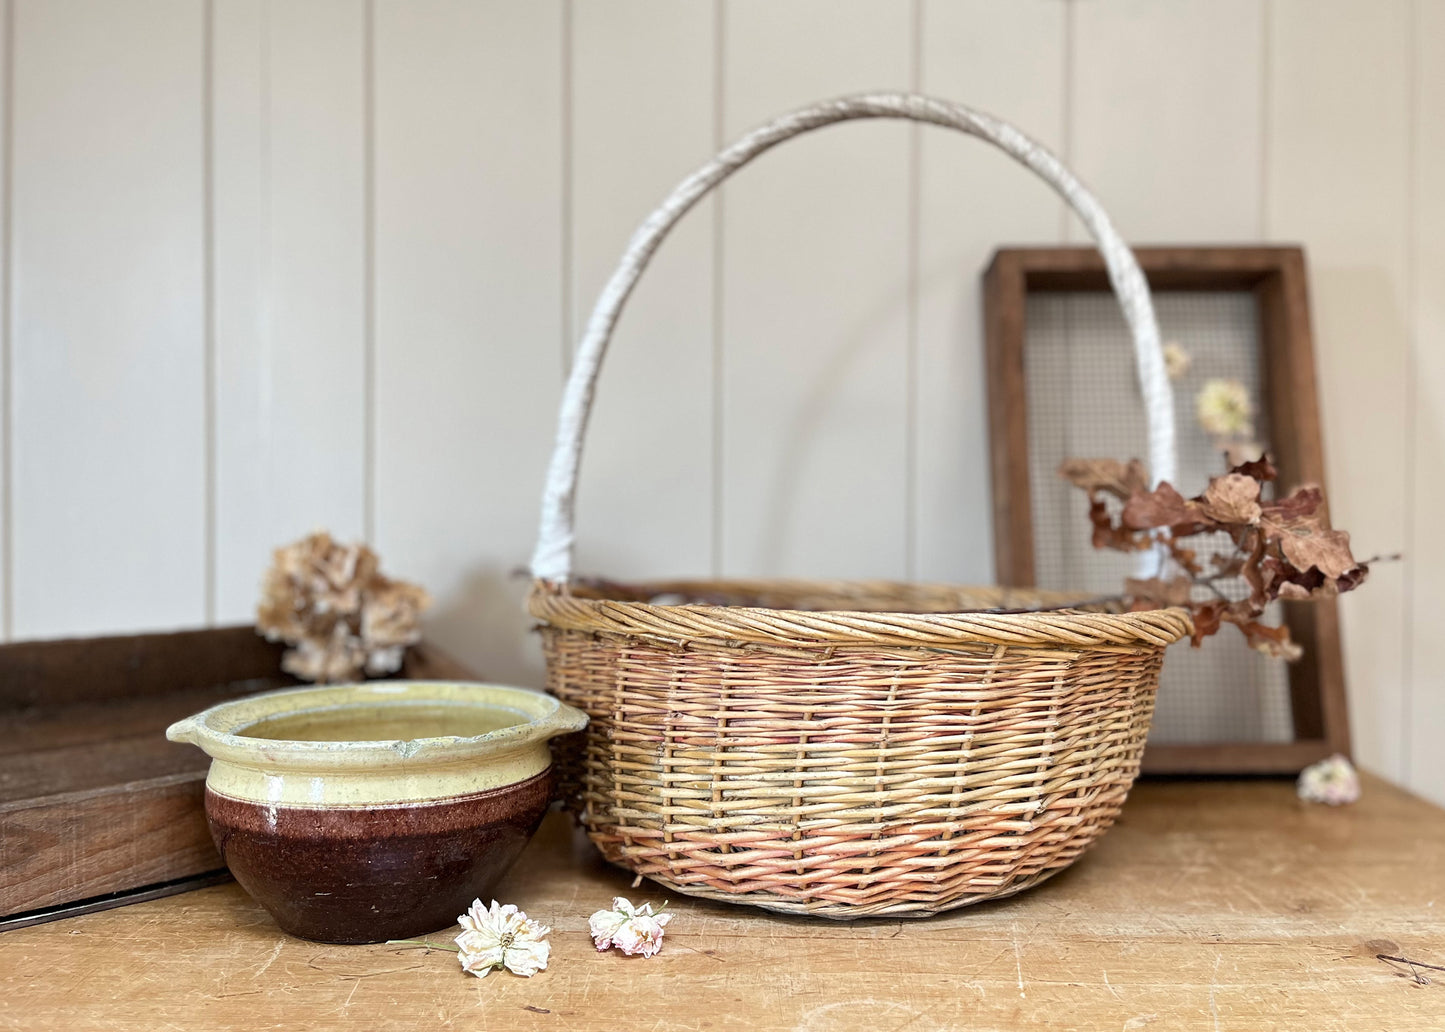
(1276, 277)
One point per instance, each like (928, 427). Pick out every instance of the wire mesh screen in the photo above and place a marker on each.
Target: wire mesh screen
(1083, 401)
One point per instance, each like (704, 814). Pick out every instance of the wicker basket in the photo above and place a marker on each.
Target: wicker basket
(846, 749)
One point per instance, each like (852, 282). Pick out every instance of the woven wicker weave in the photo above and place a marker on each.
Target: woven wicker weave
(845, 749)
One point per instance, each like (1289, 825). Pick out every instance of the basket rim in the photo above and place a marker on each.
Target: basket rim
(561, 607)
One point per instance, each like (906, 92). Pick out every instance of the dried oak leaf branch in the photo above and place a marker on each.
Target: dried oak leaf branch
(1282, 549)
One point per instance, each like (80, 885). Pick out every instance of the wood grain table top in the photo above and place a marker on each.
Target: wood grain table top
(1210, 905)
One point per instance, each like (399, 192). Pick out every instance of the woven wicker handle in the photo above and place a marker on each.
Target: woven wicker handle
(552, 560)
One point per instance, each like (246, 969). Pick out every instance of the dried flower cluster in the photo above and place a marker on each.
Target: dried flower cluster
(1333, 781)
(500, 936)
(1226, 412)
(1223, 408)
(633, 930)
(1282, 549)
(336, 610)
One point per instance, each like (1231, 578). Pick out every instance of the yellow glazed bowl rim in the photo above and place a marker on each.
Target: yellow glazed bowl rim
(216, 730)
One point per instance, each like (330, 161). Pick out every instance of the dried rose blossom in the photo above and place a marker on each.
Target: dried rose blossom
(501, 937)
(1333, 781)
(1224, 409)
(1176, 360)
(633, 930)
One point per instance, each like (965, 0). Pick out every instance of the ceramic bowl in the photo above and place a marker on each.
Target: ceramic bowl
(366, 812)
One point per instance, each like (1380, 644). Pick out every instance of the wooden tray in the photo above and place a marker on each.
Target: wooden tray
(96, 807)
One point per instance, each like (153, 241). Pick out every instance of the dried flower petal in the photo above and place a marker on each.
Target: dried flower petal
(501, 937)
(633, 930)
(1334, 781)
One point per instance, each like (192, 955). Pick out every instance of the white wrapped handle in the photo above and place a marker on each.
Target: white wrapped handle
(552, 560)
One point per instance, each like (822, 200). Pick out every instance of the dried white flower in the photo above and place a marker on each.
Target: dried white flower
(631, 929)
(1176, 360)
(1244, 451)
(1224, 409)
(1333, 781)
(501, 937)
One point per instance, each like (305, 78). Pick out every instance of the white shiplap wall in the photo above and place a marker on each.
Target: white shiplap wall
(277, 265)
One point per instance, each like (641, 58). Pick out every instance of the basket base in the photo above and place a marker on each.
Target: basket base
(843, 911)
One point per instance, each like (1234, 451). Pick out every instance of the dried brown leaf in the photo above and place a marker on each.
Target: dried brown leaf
(1162, 507)
(1260, 469)
(1120, 479)
(1251, 568)
(1299, 504)
(1352, 579)
(1187, 558)
(1207, 616)
(1159, 593)
(1108, 534)
(1328, 551)
(1289, 583)
(1233, 498)
(1272, 641)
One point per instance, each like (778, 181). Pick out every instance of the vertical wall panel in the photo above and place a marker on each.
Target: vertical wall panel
(1166, 116)
(6, 283)
(1007, 59)
(1337, 181)
(1425, 715)
(468, 307)
(643, 118)
(815, 296)
(290, 305)
(108, 337)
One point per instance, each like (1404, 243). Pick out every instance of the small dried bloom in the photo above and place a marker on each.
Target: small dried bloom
(1224, 409)
(1176, 360)
(501, 937)
(633, 930)
(1244, 451)
(1334, 781)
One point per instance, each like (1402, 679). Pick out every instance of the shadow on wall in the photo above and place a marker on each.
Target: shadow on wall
(1421, 762)
(484, 624)
(1361, 351)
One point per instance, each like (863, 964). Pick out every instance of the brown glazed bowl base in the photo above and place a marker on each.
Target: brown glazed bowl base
(368, 874)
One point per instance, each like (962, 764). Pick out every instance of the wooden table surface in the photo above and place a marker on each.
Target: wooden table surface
(1211, 905)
